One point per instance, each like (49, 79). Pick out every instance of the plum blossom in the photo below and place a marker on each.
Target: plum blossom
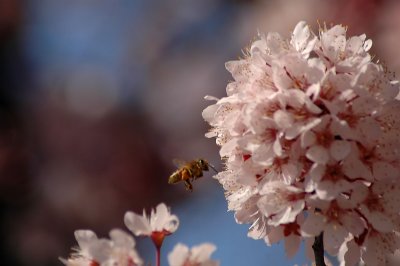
(160, 223)
(309, 132)
(160, 220)
(93, 251)
(198, 255)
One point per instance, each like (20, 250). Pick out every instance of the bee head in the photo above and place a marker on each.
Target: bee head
(203, 164)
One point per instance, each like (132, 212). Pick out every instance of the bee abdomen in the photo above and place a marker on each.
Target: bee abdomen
(174, 178)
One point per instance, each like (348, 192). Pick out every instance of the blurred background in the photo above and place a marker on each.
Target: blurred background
(97, 97)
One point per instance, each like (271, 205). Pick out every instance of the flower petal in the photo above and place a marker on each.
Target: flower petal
(339, 149)
(283, 119)
(202, 252)
(101, 250)
(307, 139)
(137, 224)
(178, 255)
(292, 244)
(84, 238)
(384, 171)
(121, 238)
(318, 154)
(334, 235)
(313, 225)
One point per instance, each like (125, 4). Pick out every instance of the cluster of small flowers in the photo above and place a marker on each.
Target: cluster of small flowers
(120, 250)
(309, 132)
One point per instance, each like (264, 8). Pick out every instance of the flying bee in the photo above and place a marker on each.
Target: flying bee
(189, 171)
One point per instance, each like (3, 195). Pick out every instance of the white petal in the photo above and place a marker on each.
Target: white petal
(360, 193)
(300, 127)
(309, 184)
(228, 148)
(341, 128)
(210, 98)
(277, 147)
(280, 77)
(274, 42)
(354, 168)
(318, 154)
(257, 230)
(138, 224)
(259, 45)
(178, 255)
(171, 224)
(380, 222)
(307, 139)
(274, 236)
(367, 45)
(369, 129)
(283, 119)
(209, 113)
(384, 171)
(202, 252)
(122, 239)
(264, 155)
(313, 225)
(353, 223)
(300, 36)
(268, 209)
(325, 190)
(334, 236)
(290, 172)
(314, 91)
(317, 171)
(354, 44)
(84, 238)
(292, 244)
(349, 254)
(339, 149)
(364, 105)
(100, 250)
(291, 213)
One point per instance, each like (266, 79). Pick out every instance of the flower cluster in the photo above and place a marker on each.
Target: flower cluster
(120, 250)
(309, 132)
(93, 251)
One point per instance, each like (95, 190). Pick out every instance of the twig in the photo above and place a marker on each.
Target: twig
(318, 248)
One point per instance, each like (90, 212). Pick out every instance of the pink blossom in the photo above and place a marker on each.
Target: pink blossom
(161, 223)
(160, 220)
(310, 128)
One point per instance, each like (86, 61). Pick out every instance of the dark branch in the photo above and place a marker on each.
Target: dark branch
(318, 248)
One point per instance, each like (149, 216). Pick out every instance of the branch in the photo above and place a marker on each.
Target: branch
(318, 248)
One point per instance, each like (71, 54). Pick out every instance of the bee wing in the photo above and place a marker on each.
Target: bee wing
(179, 163)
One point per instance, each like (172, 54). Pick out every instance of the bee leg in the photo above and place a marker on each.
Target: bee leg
(186, 174)
(188, 185)
(198, 176)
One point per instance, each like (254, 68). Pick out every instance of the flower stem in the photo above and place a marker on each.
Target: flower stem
(158, 256)
(318, 248)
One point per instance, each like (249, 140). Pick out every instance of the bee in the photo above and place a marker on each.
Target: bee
(189, 171)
